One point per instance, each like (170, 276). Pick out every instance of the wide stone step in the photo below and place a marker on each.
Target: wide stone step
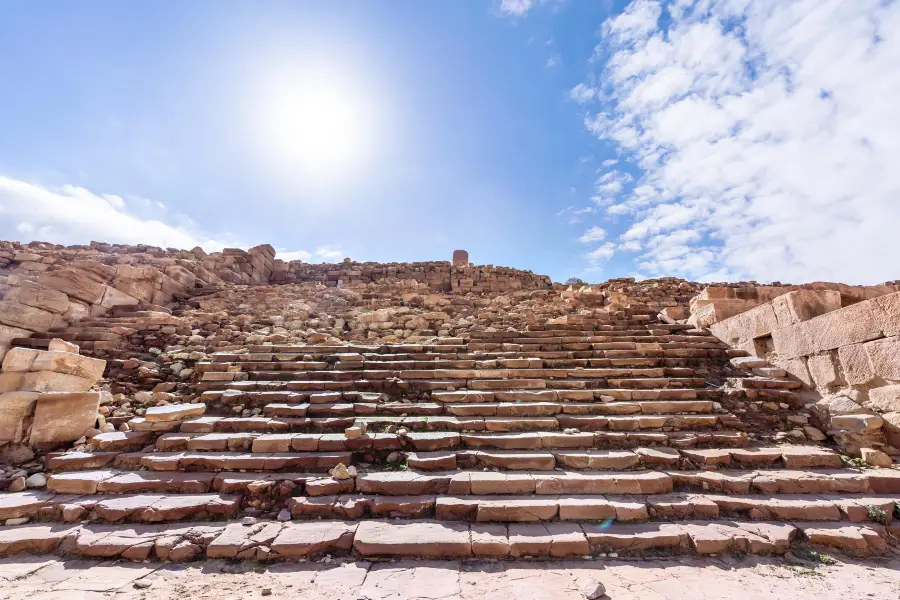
(793, 481)
(231, 381)
(274, 541)
(431, 422)
(245, 392)
(147, 508)
(231, 461)
(542, 508)
(475, 377)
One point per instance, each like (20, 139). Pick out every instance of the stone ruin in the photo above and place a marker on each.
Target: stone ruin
(175, 405)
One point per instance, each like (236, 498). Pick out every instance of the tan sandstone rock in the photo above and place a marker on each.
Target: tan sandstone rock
(64, 417)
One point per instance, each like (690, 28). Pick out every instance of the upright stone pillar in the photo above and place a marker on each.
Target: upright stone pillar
(460, 258)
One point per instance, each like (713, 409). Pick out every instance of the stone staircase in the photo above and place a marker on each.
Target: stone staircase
(104, 335)
(594, 436)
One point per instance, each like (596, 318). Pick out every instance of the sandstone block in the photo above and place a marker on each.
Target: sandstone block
(802, 305)
(70, 364)
(64, 417)
(855, 364)
(793, 341)
(77, 311)
(424, 538)
(115, 297)
(185, 278)
(40, 297)
(58, 345)
(885, 357)
(756, 322)
(75, 283)
(850, 325)
(10, 382)
(14, 408)
(19, 359)
(886, 310)
(48, 381)
(885, 398)
(23, 316)
(303, 539)
(460, 258)
(823, 370)
(797, 367)
(8, 334)
(173, 412)
(876, 458)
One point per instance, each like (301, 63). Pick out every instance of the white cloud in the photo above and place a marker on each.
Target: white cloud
(520, 8)
(574, 215)
(594, 234)
(328, 254)
(765, 133)
(553, 61)
(603, 253)
(637, 20)
(75, 215)
(516, 8)
(582, 93)
(293, 255)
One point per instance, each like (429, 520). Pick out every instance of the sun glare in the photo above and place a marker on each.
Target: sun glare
(316, 126)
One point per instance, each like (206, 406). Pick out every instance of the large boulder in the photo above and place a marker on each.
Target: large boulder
(70, 364)
(76, 283)
(22, 316)
(39, 296)
(14, 409)
(64, 417)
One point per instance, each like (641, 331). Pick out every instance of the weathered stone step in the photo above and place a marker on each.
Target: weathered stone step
(231, 461)
(232, 381)
(274, 541)
(474, 377)
(243, 392)
(794, 481)
(541, 508)
(147, 508)
(661, 423)
(128, 309)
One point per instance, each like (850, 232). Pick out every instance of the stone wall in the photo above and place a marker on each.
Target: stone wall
(721, 301)
(439, 276)
(849, 354)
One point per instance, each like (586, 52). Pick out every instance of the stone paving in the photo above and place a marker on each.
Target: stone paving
(41, 578)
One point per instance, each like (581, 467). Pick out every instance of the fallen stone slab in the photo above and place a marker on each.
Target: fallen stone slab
(173, 412)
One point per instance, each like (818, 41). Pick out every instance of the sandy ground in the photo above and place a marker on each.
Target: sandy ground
(47, 578)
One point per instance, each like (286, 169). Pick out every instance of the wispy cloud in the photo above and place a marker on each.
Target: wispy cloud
(764, 133)
(594, 234)
(516, 8)
(601, 254)
(582, 93)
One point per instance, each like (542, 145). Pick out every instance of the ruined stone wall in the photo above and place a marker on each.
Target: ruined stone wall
(849, 354)
(45, 286)
(721, 301)
(439, 276)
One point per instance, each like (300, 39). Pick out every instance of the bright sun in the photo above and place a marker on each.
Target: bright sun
(316, 126)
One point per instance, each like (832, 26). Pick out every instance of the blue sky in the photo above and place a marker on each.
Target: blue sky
(568, 137)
